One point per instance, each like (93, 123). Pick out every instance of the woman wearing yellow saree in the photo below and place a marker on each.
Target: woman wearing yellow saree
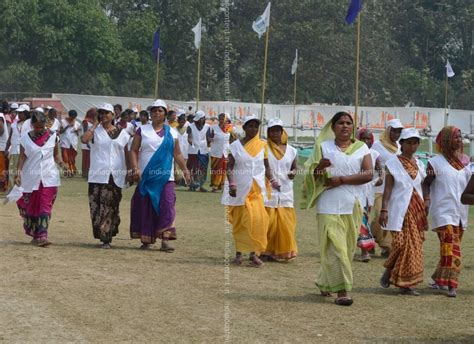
(333, 181)
(245, 191)
(282, 159)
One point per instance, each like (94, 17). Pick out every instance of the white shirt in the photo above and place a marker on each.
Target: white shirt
(246, 170)
(384, 156)
(150, 143)
(108, 157)
(402, 191)
(56, 126)
(15, 140)
(370, 187)
(199, 140)
(26, 127)
(280, 168)
(220, 142)
(70, 137)
(4, 136)
(183, 142)
(445, 193)
(39, 165)
(341, 199)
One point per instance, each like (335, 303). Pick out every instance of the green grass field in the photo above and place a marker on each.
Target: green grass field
(74, 291)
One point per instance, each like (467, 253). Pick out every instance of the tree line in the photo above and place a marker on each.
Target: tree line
(104, 47)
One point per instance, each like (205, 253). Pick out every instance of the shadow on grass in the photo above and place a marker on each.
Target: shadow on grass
(306, 298)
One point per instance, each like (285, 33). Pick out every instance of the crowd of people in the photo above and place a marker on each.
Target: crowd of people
(365, 191)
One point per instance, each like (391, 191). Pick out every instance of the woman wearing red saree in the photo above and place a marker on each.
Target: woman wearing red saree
(403, 214)
(447, 177)
(39, 177)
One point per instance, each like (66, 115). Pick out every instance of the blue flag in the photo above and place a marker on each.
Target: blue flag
(353, 11)
(155, 50)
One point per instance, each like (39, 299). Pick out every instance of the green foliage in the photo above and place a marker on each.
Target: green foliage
(103, 47)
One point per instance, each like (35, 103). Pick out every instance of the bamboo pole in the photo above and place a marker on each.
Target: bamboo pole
(197, 79)
(157, 72)
(357, 73)
(294, 107)
(446, 101)
(264, 76)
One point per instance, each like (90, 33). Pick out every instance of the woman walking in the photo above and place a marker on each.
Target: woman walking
(447, 177)
(366, 241)
(387, 147)
(334, 178)
(154, 148)
(107, 172)
(39, 178)
(403, 214)
(198, 151)
(70, 129)
(221, 136)
(245, 192)
(282, 216)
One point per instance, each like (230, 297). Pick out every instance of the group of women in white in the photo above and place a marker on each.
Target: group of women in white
(353, 203)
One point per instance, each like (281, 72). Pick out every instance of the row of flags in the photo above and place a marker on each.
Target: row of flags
(260, 26)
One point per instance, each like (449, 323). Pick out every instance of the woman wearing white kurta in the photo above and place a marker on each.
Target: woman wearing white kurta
(39, 177)
(70, 129)
(107, 172)
(155, 147)
(281, 212)
(403, 215)
(4, 134)
(447, 177)
(220, 140)
(198, 151)
(388, 147)
(334, 178)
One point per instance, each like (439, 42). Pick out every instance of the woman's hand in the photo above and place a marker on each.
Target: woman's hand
(323, 163)
(135, 174)
(18, 180)
(334, 182)
(275, 185)
(292, 174)
(187, 177)
(427, 206)
(379, 182)
(383, 219)
(233, 190)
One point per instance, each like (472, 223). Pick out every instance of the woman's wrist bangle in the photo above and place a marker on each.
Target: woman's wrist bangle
(341, 180)
(384, 210)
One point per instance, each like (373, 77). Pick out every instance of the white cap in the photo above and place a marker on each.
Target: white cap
(198, 115)
(14, 106)
(23, 107)
(251, 118)
(274, 122)
(180, 112)
(49, 107)
(106, 106)
(394, 123)
(39, 109)
(158, 103)
(409, 133)
(135, 109)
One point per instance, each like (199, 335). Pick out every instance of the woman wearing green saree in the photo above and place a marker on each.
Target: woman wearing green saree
(333, 181)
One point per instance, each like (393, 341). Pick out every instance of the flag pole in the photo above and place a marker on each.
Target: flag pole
(446, 101)
(357, 73)
(157, 72)
(294, 106)
(264, 75)
(198, 76)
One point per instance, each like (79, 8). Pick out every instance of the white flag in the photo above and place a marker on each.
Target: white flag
(294, 66)
(261, 24)
(449, 69)
(197, 34)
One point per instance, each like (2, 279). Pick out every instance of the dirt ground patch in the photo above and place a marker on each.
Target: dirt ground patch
(75, 292)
